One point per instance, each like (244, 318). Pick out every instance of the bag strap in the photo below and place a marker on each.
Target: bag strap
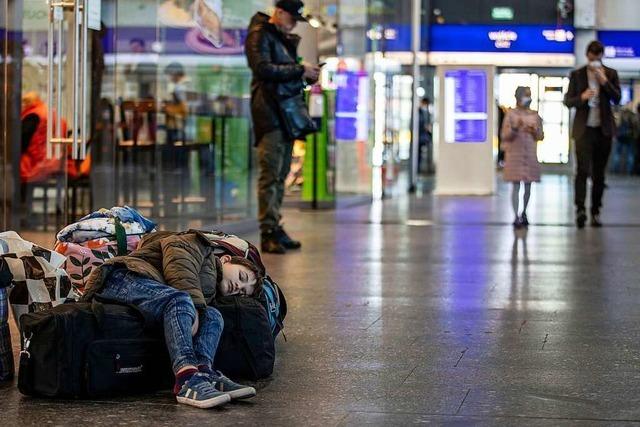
(121, 237)
(237, 331)
(97, 306)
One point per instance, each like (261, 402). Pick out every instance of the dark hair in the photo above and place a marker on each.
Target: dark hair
(521, 90)
(174, 69)
(595, 47)
(427, 100)
(244, 262)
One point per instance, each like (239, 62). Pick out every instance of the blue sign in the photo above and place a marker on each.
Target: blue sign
(465, 97)
(350, 114)
(391, 38)
(475, 38)
(620, 44)
(501, 38)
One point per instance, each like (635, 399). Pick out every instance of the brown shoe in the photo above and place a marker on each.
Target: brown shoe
(270, 244)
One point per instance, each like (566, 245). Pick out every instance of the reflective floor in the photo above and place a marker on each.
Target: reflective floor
(432, 310)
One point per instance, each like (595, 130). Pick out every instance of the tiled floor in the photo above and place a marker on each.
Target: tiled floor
(432, 310)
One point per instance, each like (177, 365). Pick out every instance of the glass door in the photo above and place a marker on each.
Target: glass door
(143, 103)
(179, 86)
(45, 110)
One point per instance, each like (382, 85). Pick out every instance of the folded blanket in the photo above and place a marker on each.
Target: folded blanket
(125, 214)
(101, 224)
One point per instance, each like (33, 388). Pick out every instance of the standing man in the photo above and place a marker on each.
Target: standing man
(592, 90)
(272, 55)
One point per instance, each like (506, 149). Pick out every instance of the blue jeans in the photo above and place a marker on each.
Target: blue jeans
(624, 156)
(175, 311)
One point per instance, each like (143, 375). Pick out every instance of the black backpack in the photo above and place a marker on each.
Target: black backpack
(271, 296)
(247, 347)
(91, 350)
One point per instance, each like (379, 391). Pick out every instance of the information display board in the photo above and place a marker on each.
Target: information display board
(465, 130)
(465, 103)
(351, 105)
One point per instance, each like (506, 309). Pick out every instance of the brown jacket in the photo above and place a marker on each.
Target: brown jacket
(184, 261)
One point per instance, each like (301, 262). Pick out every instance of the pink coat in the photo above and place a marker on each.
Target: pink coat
(520, 146)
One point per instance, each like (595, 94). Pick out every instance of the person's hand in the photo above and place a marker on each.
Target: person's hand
(311, 72)
(518, 125)
(600, 75)
(588, 94)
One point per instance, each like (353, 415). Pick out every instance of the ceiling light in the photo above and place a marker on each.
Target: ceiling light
(314, 22)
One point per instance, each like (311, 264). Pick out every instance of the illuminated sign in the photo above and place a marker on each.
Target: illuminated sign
(465, 98)
(475, 38)
(620, 44)
(502, 13)
(501, 38)
(352, 97)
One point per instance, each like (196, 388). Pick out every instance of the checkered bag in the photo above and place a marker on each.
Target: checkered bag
(33, 276)
(6, 352)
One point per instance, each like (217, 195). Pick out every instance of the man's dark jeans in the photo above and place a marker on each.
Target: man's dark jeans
(592, 155)
(274, 160)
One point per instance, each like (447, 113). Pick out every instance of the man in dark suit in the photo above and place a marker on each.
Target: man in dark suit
(592, 90)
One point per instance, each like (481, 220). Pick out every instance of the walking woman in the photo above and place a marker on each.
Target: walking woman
(521, 130)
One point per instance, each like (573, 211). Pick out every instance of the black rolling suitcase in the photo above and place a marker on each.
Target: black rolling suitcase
(91, 350)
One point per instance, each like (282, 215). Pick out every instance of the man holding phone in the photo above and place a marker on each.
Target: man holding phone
(592, 90)
(271, 51)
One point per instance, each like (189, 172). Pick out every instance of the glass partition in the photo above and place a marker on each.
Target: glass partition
(178, 86)
(167, 111)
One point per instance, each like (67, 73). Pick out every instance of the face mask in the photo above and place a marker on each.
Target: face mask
(595, 64)
(525, 101)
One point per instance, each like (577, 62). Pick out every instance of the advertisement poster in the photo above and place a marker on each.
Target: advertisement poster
(215, 27)
(466, 114)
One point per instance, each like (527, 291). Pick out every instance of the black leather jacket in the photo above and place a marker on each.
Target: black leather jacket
(277, 74)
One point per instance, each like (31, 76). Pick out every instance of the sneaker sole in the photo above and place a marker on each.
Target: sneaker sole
(243, 393)
(205, 404)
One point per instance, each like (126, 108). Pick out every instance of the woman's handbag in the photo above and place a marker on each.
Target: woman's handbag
(295, 116)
